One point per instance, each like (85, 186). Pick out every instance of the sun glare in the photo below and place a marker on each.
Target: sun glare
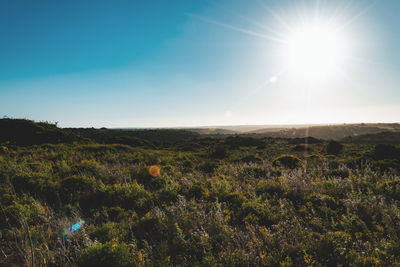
(314, 52)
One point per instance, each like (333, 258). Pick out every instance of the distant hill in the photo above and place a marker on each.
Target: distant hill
(22, 132)
(152, 136)
(335, 132)
(378, 138)
(26, 132)
(256, 128)
(211, 131)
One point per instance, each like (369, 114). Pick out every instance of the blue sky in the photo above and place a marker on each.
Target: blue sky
(190, 63)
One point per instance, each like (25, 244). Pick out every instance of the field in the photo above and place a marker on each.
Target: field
(184, 198)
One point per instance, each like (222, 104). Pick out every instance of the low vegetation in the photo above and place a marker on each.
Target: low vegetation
(195, 200)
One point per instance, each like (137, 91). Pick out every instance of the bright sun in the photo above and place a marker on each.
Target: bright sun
(315, 52)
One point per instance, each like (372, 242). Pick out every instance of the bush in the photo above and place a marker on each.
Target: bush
(117, 214)
(334, 148)
(270, 187)
(208, 166)
(106, 232)
(219, 152)
(287, 161)
(108, 254)
(220, 188)
(251, 159)
(300, 148)
(75, 187)
(238, 141)
(304, 140)
(333, 247)
(386, 152)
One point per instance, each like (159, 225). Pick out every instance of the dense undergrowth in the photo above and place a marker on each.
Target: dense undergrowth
(216, 202)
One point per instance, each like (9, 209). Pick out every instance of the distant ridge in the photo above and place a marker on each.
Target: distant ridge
(28, 132)
(378, 138)
(230, 129)
(335, 132)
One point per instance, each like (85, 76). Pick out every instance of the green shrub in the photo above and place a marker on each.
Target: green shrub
(271, 187)
(382, 152)
(333, 248)
(219, 152)
(235, 199)
(220, 188)
(300, 148)
(106, 255)
(287, 161)
(76, 188)
(128, 195)
(390, 188)
(117, 214)
(342, 173)
(196, 190)
(258, 211)
(208, 166)
(238, 141)
(169, 191)
(334, 148)
(251, 159)
(106, 232)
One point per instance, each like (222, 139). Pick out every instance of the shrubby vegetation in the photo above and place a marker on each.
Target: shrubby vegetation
(236, 201)
(334, 148)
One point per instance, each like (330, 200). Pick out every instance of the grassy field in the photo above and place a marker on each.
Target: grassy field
(174, 197)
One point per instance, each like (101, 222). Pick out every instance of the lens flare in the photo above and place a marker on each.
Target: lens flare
(154, 170)
(68, 233)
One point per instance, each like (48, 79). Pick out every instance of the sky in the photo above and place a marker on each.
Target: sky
(186, 63)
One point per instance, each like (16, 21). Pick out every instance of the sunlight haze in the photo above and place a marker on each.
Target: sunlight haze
(199, 63)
